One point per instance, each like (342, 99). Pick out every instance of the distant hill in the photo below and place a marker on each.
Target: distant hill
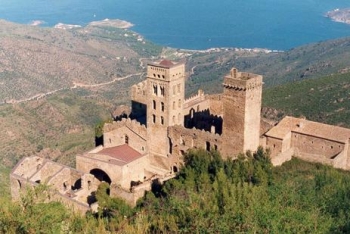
(309, 61)
(325, 99)
(38, 60)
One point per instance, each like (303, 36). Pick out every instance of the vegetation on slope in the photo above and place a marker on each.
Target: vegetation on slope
(40, 60)
(57, 127)
(324, 99)
(309, 61)
(208, 195)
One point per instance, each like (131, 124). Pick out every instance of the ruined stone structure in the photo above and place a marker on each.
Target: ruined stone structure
(310, 141)
(148, 145)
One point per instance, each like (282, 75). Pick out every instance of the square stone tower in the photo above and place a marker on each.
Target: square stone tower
(242, 108)
(165, 97)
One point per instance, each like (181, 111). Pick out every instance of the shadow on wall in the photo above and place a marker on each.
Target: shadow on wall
(203, 120)
(101, 175)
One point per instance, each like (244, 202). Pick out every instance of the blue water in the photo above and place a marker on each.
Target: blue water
(196, 24)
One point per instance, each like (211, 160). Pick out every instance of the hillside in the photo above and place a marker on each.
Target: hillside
(37, 60)
(325, 99)
(309, 61)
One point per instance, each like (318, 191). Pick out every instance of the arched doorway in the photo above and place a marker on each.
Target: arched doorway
(101, 175)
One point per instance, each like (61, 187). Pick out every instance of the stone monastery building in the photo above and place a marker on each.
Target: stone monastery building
(149, 144)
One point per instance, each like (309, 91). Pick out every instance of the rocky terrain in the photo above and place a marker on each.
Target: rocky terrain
(35, 61)
(340, 15)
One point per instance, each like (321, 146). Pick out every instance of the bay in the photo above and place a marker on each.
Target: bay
(194, 24)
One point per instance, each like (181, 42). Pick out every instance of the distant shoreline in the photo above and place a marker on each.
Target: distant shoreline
(339, 15)
(116, 23)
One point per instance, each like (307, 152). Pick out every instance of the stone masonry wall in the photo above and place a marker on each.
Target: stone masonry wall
(135, 133)
(183, 139)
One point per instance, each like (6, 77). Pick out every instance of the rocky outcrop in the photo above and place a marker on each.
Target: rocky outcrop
(340, 15)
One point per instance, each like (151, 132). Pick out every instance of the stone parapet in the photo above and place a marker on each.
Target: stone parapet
(133, 125)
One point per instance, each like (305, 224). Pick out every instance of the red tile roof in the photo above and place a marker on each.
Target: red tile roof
(166, 63)
(123, 153)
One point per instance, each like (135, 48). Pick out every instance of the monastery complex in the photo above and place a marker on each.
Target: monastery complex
(148, 145)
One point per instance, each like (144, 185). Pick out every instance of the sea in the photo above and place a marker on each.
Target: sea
(195, 24)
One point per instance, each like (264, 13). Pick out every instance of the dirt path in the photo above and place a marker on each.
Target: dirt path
(75, 85)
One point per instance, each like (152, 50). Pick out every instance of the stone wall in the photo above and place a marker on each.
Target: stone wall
(242, 107)
(135, 171)
(315, 145)
(87, 163)
(216, 104)
(139, 92)
(46, 171)
(126, 131)
(28, 166)
(183, 139)
(196, 103)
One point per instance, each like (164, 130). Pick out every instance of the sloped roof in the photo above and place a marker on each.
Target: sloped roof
(123, 153)
(303, 126)
(166, 63)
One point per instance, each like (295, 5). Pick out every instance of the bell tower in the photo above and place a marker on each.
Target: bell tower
(242, 109)
(165, 97)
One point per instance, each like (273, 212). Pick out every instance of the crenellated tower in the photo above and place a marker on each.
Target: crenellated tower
(165, 97)
(242, 107)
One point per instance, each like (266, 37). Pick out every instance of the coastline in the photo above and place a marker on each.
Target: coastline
(339, 15)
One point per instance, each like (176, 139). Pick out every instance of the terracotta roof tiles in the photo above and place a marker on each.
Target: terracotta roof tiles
(123, 153)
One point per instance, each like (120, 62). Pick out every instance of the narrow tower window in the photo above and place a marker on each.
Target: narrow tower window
(154, 105)
(162, 120)
(162, 106)
(154, 118)
(162, 93)
(155, 89)
(126, 139)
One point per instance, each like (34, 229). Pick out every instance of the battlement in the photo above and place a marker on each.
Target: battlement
(138, 92)
(201, 133)
(242, 81)
(133, 125)
(199, 97)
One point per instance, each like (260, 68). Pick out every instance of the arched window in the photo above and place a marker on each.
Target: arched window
(162, 92)
(155, 89)
(162, 120)
(162, 106)
(179, 103)
(154, 105)
(154, 118)
(174, 105)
